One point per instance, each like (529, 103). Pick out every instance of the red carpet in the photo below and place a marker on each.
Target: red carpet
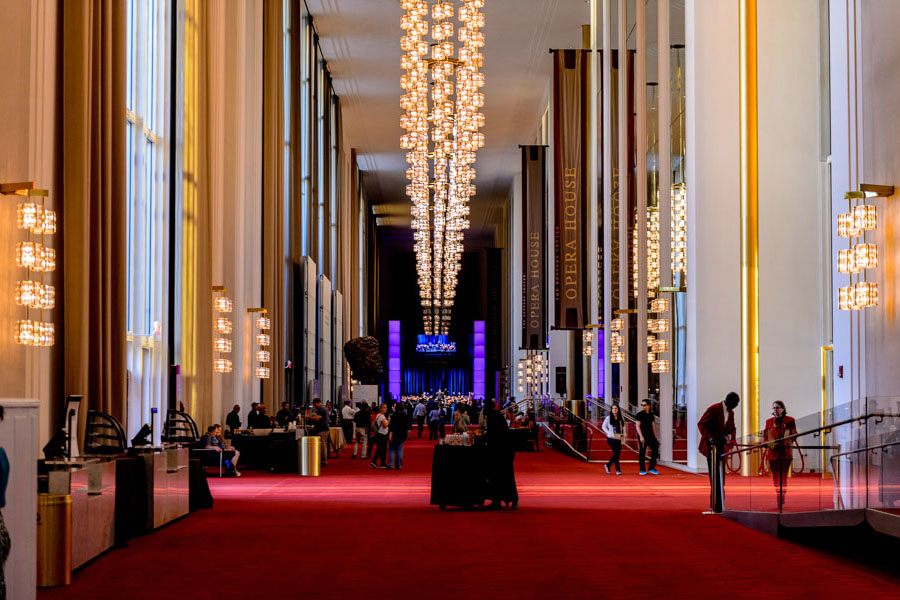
(360, 533)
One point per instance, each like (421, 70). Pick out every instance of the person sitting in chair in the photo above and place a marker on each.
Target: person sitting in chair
(212, 439)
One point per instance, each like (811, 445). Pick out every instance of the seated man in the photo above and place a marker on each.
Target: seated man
(211, 439)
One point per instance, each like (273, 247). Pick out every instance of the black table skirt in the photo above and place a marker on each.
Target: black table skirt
(276, 453)
(131, 498)
(458, 476)
(199, 490)
(520, 439)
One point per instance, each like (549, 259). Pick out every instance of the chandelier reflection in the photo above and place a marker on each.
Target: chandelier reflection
(442, 120)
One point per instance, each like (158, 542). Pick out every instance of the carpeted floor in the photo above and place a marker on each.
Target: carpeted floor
(360, 533)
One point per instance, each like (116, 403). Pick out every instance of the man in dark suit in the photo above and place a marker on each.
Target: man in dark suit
(716, 426)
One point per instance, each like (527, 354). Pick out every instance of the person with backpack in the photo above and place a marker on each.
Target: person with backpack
(363, 421)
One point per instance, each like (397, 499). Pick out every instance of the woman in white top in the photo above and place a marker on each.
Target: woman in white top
(614, 427)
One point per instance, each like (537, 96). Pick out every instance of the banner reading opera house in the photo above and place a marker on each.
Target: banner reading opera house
(570, 154)
(534, 247)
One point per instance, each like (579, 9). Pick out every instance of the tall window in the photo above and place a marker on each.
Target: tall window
(147, 118)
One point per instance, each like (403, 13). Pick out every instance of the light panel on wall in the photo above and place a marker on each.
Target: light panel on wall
(616, 341)
(261, 325)
(857, 258)
(36, 257)
(222, 328)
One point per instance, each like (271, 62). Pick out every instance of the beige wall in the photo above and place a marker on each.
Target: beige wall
(879, 134)
(28, 123)
(791, 201)
(713, 360)
(235, 105)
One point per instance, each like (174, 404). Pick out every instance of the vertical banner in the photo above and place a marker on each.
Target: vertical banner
(534, 247)
(570, 147)
(494, 326)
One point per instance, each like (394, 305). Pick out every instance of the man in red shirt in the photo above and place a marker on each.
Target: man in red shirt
(716, 426)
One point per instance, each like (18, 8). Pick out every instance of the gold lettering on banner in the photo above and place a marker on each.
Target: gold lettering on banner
(570, 227)
(535, 275)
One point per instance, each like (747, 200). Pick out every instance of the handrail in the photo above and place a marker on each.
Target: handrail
(836, 472)
(824, 428)
(866, 449)
(588, 427)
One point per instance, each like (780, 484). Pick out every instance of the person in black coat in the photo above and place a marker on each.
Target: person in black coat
(501, 485)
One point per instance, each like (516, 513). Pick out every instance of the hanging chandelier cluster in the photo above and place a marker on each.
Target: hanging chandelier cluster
(442, 121)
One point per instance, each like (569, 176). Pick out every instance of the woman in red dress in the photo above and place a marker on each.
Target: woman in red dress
(779, 452)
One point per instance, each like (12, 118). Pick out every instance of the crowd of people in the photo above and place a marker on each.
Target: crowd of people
(378, 433)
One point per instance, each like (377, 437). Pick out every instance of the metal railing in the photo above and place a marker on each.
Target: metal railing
(571, 432)
(851, 462)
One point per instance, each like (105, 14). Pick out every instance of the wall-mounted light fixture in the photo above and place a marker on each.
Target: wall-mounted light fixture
(859, 257)
(37, 258)
(616, 340)
(587, 338)
(222, 306)
(263, 357)
(658, 347)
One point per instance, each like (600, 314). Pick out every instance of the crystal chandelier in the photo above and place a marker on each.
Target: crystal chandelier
(441, 101)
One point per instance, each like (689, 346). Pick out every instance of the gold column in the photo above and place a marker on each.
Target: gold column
(749, 222)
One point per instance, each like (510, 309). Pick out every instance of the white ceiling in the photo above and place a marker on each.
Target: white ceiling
(360, 39)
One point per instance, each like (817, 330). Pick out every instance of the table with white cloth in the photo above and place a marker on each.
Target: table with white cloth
(337, 438)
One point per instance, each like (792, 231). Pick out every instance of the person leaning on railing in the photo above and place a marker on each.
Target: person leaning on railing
(716, 426)
(779, 452)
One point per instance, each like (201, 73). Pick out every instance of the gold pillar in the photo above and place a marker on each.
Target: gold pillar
(749, 223)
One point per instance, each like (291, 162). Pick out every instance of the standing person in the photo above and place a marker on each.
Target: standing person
(716, 426)
(319, 417)
(347, 414)
(443, 421)
(614, 426)
(397, 432)
(419, 413)
(284, 416)
(500, 456)
(779, 452)
(434, 423)
(363, 422)
(382, 424)
(233, 420)
(460, 420)
(4, 532)
(647, 438)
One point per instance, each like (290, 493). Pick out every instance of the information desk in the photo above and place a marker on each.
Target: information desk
(276, 451)
(167, 484)
(458, 476)
(91, 483)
